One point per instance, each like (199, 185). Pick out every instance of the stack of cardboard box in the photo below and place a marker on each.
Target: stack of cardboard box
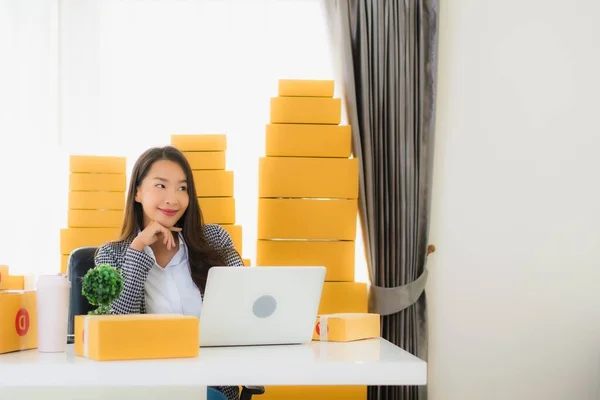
(307, 214)
(97, 187)
(214, 183)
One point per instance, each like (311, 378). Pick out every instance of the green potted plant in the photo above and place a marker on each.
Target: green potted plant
(102, 285)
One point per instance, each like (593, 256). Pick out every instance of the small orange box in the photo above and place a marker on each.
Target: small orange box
(97, 164)
(3, 272)
(213, 183)
(136, 336)
(306, 110)
(12, 282)
(96, 200)
(18, 321)
(307, 219)
(347, 327)
(308, 177)
(308, 140)
(97, 182)
(64, 263)
(95, 218)
(306, 87)
(200, 160)
(201, 142)
(344, 297)
(315, 393)
(336, 256)
(73, 238)
(217, 210)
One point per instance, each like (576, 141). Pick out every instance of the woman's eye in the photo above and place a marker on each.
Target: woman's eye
(160, 185)
(183, 188)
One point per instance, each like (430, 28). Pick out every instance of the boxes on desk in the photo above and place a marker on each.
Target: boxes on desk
(136, 336)
(18, 321)
(347, 327)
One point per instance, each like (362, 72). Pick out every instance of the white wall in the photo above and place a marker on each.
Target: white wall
(514, 289)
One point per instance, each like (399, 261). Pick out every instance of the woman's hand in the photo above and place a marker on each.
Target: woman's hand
(151, 234)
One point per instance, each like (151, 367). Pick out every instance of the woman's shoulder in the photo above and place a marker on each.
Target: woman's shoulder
(114, 249)
(217, 236)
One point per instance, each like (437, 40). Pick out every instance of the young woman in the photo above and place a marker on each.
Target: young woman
(165, 250)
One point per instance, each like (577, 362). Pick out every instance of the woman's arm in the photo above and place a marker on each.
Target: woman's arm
(230, 255)
(134, 266)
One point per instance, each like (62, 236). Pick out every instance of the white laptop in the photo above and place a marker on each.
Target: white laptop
(260, 305)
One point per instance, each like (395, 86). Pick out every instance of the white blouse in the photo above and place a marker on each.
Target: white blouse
(171, 290)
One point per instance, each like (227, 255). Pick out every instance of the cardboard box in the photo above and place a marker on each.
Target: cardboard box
(136, 336)
(336, 256)
(96, 200)
(344, 297)
(97, 164)
(3, 272)
(308, 140)
(305, 110)
(64, 263)
(95, 218)
(314, 393)
(18, 321)
(97, 182)
(235, 232)
(306, 87)
(12, 282)
(218, 210)
(73, 238)
(200, 160)
(307, 219)
(212, 142)
(213, 183)
(303, 177)
(347, 327)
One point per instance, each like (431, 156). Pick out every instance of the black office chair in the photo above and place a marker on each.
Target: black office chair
(80, 261)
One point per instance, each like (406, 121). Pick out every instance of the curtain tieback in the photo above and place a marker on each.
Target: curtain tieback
(387, 301)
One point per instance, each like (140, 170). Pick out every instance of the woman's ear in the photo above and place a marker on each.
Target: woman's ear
(137, 197)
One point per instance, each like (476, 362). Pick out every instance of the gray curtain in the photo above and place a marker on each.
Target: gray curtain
(387, 56)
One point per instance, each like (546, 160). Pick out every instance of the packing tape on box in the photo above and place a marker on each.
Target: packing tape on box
(323, 329)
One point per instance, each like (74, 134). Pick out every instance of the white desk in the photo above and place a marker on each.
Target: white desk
(366, 362)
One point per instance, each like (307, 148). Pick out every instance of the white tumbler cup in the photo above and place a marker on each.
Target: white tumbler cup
(52, 312)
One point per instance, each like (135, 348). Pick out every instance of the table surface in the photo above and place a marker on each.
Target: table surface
(364, 362)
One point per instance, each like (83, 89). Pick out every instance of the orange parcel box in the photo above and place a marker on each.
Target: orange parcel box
(347, 327)
(18, 320)
(136, 336)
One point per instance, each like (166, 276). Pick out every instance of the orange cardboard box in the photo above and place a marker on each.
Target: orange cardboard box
(305, 177)
(200, 160)
(136, 336)
(18, 321)
(201, 142)
(213, 183)
(97, 164)
(344, 297)
(306, 87)
(347, 327)
(307, 219)
(306, 110)
(336, 256)
(308, 140)
(217, 210)
(97, 182)
(314, 393)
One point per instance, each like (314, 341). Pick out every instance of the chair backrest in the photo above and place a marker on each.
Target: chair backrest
(80, 262)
